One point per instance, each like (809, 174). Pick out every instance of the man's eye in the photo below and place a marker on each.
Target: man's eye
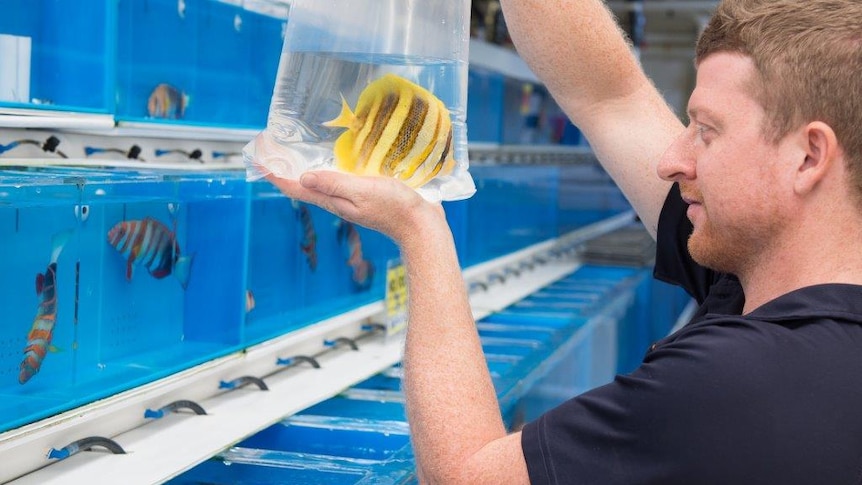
(702, 130)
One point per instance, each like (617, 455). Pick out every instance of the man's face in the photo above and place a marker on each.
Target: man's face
(728, 173)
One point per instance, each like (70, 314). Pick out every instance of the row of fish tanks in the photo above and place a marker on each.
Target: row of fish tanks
(113, 278)
(201, 63)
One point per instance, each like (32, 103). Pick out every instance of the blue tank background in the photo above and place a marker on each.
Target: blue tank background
(92, 56)
(227, 73)
(72, 63)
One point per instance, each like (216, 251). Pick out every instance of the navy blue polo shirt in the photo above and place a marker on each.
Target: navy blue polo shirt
(772, 397)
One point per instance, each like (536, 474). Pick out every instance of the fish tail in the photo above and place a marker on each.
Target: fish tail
(344, 119)
(185, 99)
(182, 269)
(58, 242)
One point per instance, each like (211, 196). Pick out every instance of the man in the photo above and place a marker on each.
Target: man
(764, 188)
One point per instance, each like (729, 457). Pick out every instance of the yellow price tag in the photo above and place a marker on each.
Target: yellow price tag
(396, 297)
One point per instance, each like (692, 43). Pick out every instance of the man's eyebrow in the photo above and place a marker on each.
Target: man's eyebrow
(700, 112)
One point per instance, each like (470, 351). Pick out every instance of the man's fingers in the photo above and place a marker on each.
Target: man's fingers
(333, 184)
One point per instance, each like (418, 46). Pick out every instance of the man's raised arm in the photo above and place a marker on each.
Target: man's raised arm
(578, 51)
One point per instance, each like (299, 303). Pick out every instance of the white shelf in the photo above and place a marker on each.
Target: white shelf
(59, 120)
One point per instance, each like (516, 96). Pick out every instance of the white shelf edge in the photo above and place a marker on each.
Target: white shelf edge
(31, 118)
(115, 163)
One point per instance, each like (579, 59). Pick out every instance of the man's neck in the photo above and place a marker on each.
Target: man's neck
(820, 255)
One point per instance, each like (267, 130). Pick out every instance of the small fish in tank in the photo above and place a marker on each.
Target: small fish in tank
(42, 331)
(151, 243)
(363, 270)
(308, 243)
(249, 301)
(167, 102)
(399, 129)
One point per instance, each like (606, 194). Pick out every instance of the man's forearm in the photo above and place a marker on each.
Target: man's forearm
(451, 402)
(576, 49)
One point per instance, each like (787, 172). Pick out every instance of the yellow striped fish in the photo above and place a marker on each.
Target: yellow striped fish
(399, 130)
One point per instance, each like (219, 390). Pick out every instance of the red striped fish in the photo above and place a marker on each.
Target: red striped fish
(363, 270)
(152, 244)
(308, 244)
(42, 332)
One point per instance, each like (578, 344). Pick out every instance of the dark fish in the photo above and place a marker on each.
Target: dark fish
(363, 270)
(167, 101)
(42, 331)
(308, 244)
(151, 243)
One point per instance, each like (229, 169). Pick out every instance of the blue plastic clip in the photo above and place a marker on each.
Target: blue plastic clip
(225, 154)
(298, 358)
(85, 444)
(341, 340)
(6, 148)
(241, 381)
(174, 406)
(373, 327)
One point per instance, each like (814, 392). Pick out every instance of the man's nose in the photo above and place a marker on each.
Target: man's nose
(677, 163)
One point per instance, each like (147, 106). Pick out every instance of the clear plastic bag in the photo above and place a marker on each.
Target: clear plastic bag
(373, 87)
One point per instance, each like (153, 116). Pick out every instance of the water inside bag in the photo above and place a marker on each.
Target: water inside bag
(325, 60)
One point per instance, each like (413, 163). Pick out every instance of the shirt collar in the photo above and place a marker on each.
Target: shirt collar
(836, 301)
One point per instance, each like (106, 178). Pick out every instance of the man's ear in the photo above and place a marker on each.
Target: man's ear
(819, 150)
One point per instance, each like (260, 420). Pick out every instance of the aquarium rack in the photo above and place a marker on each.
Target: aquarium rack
(318, 367)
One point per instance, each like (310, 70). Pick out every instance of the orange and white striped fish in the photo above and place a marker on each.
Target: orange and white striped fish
(151, 243)
(399, 130)
(167, 101)
(42, 331)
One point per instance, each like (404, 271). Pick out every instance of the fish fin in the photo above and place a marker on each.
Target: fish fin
(54, 349)
(341, 232)
(182, 270)
(129, 268)
(58, 242)
(344, 119)
(40, 283)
